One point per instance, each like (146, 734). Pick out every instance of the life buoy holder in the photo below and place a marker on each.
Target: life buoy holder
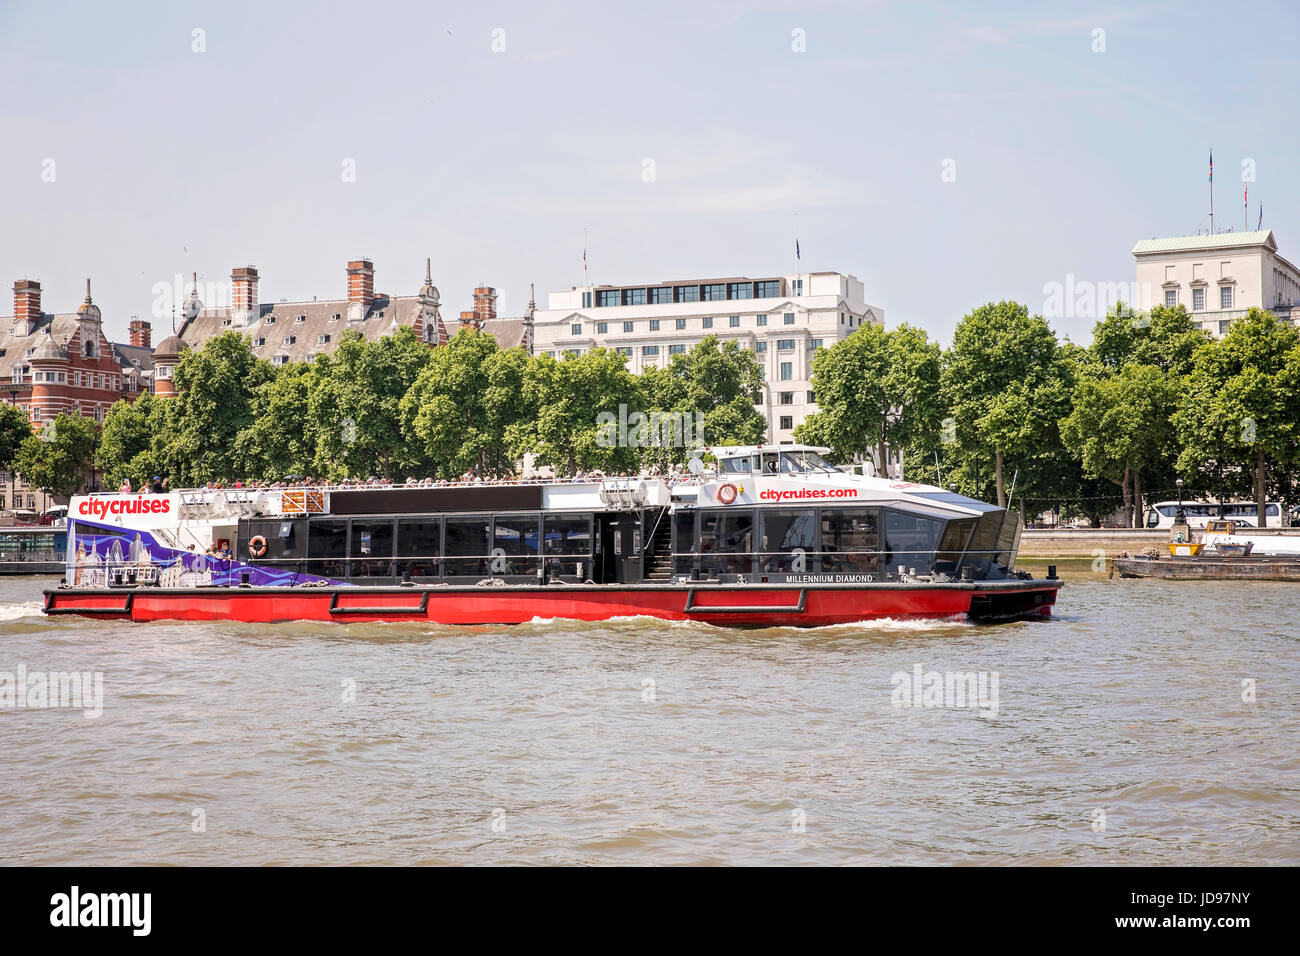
(727, 493)
(257, 546)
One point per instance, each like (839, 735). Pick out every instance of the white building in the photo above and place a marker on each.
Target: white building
(1217, 277)
(782, 319)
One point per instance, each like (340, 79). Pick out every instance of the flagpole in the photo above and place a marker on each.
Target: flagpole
(1211, 190)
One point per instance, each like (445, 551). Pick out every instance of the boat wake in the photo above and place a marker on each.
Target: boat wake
(14, 612)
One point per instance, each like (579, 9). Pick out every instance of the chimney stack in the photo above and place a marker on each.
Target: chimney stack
(141, 333)
(27, 304)
(361, 282)
(243, 297)
(485, 303)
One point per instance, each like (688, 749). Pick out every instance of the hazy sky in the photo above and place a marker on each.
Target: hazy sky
(683, 136)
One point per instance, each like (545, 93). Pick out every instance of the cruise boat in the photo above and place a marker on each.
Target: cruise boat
(766, 536)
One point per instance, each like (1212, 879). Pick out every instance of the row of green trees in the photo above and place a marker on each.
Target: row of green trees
(1008, 409)
(1084, 431)
(394, 408)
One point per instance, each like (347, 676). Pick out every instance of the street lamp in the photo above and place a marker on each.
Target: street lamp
(1182, 517)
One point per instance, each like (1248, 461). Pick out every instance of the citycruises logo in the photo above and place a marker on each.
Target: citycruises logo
(139, 505)
(778, 494)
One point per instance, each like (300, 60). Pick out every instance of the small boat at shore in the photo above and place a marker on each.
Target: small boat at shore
(1223, 553)
(769, 536)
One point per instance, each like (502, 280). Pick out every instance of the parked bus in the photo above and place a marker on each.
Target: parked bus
(1161, 514)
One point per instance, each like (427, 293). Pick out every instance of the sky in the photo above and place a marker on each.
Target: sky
(947, 154)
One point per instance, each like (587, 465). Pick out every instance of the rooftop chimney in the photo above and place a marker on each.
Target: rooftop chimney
(361, 282)
(27, 304)
(141, 333)
(243, 295)
(485, 303)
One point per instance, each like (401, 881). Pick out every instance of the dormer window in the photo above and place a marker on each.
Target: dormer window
(336, 316)
(30, 351)
(322, 339)
(270, 320)
(289, 339)
(301, 318)
(225, 323)
(280, 359)
(258, 343)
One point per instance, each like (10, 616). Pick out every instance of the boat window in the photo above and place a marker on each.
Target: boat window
(952, 544)
(770, 464)
(568, 534)
(735, 466)
(284, 540)
(851, 540)
(910, 540)
(788, 541)
(515, 543)
(327, 547)
(372, 548)
(726, 540)
(801, 462)
(983, 544)
(467, 546)
(419, 542)
(683, 541)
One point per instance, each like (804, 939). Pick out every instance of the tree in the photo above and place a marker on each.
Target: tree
(876, 390)
(713, 386)
(214, 404)
(14, 430)
(1240, 409)
(282, 435)
(1120, 426)
(127, 439)
(1004, 386)
(463, 410)
(570, 396)
(58, 459)
(357, 403)
(1164, 338)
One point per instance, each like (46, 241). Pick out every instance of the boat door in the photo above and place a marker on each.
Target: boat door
(620, 546)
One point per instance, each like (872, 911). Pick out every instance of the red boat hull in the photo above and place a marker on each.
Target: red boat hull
(727, 605)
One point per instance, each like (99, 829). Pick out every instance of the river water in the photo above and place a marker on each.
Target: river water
(1120, 736)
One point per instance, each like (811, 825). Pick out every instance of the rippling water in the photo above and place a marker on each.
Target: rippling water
(640, 741)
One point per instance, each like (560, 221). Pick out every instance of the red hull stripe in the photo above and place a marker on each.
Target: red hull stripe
(748, 606)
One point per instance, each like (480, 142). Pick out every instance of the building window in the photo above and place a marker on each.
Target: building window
(258, 343)
(740, 290)
(280, 360)
(1198, 300)
(336, 316)
(798, 286)
(686, 293)
(787, 422)
(676, 349)
(715, 292)
(634, 296)
(549, 354)
(649, 350)
(1223, 326)
(812, 398)
(767, 290)
(661, 296)
(760, 347)
(270, 320)
(654, 325)
(786, 398)
(572, 353)
(815, 344)
(602, 328)
(290, 339)
(788, 318)
(607, 297)
(734, 322)
(787, 371)
(322, 339)
(623, 350)
(628, 326)
(1171, 298)
(301, 318)
(681, 324)
(575, 328)
(1225, 297)
(785, 345)
(760, 319)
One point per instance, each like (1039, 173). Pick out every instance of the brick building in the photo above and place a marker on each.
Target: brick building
(62, 362)
(283, 332)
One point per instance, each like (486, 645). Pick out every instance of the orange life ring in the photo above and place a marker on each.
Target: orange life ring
(257, 546)
(727, 493)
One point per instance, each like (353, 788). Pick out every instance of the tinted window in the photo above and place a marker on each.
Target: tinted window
(726, 538)
(851, 540)
(327, 546)
(420, 540)
(514, 545)
(371, 547)
(783, 534)
(467, 547)
(911, 539)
